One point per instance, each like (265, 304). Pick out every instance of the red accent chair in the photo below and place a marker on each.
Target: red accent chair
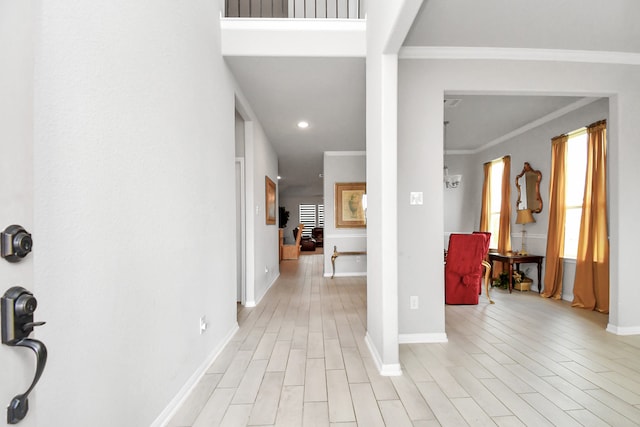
(463, 270)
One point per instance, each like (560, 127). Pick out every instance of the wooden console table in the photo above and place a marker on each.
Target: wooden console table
(336, 254)
(517, 260)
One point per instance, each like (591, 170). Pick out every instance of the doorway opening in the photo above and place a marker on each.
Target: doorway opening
(521, 126)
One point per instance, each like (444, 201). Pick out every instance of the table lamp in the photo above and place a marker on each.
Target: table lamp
(524, 217)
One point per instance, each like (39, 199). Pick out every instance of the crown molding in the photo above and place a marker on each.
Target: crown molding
(459, 152)
(519, 54)
(532, 125)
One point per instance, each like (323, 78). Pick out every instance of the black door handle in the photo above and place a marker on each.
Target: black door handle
(16, 311)
(19, 405)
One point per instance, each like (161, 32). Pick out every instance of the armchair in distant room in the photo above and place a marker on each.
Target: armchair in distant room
(318, 234)
(485, 262)
(463, 270)
(293, 251)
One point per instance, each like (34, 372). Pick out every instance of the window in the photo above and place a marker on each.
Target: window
(497, 167)
(576, 171)
(311, 216)
(320, 215)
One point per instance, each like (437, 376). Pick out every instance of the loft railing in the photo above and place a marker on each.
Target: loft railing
(343, 9)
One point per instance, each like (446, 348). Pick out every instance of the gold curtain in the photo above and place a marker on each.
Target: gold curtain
(504, 235)
(591, 287)
(486, 198)
(557, 213)
(504, 230)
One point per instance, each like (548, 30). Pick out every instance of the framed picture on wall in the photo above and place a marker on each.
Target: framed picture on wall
(350, 210)
(270, 200)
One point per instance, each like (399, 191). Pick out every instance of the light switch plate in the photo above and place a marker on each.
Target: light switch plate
(415, 198)
(413, 303)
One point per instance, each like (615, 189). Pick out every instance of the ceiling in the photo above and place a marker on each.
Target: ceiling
(479, 120)
(540, 24)
(329, 93)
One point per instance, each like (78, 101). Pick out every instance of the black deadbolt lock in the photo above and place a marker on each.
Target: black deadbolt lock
(15, 243)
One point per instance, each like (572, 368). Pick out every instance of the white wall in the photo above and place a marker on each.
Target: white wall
(420, 255)
(262, 246)
(262, 160)
(422, 85)
(387, 26)
(134, 212)
(239, 133)
(459, 213)
(346, 166)
(16, 176)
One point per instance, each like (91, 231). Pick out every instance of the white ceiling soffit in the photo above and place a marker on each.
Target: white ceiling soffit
(575, 25)
(294, 37)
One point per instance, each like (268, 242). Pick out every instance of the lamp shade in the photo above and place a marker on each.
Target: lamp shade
(524, 217)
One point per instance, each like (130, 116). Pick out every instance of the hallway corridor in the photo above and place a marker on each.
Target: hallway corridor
(299, 359)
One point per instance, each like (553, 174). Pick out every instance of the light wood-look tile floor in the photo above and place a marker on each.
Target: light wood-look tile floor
(299, 359)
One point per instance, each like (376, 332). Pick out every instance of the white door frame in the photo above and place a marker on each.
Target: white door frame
(241, 222)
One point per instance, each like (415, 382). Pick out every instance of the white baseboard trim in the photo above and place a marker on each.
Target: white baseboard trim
(422, 338)
(250, 304)
(356, 274)
(623, 330)
(175, 404)
(274, 280)
(269, 287)
(386, 370)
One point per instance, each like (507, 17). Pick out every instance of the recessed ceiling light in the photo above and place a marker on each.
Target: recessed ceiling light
(279, 177)
(303, 124)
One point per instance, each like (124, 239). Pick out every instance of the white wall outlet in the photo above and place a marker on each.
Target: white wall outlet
(203, 324)
(413, 303)
(415, 198)
(357, 259)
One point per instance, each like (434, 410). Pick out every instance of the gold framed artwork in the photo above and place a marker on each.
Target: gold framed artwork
(270, 200)
(350, 211)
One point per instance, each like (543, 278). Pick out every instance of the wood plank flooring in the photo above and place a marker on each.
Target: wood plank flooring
(299, 359)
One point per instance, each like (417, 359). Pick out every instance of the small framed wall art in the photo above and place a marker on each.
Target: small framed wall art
(350, 210)
(270, 201)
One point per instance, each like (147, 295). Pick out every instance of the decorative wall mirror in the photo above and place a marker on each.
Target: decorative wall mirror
(528, 185)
